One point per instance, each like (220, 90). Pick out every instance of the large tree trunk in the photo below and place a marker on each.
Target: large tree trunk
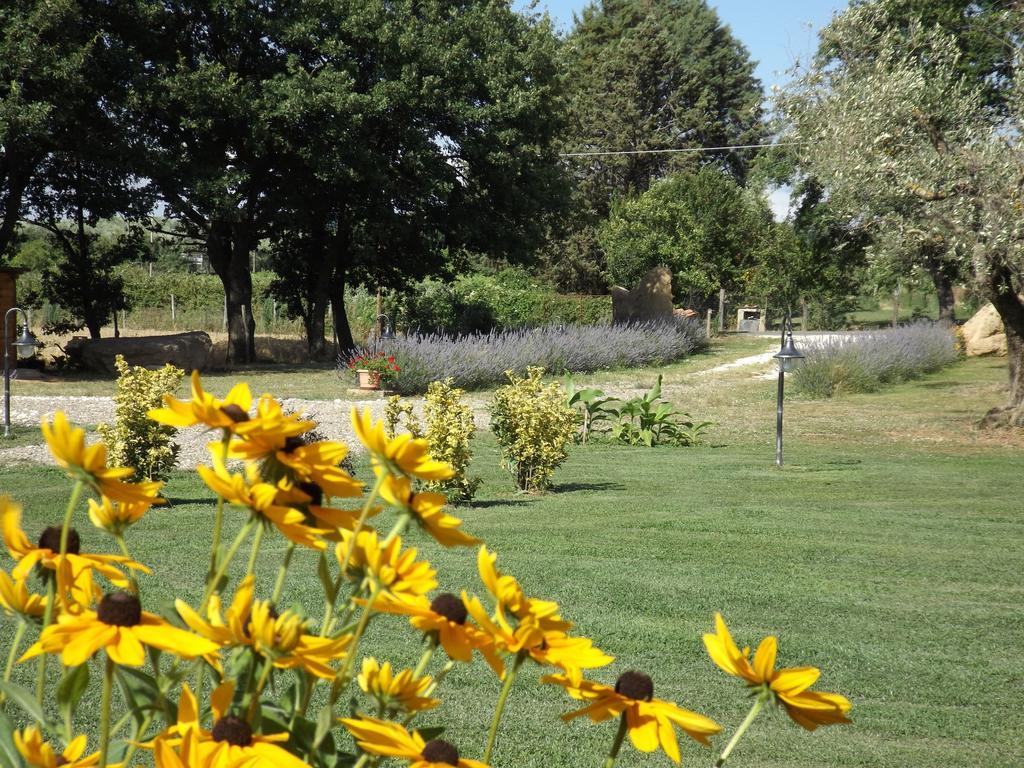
(319, 297)
(941, 279)
(228, 247)
(346, 344)
(1010, 306)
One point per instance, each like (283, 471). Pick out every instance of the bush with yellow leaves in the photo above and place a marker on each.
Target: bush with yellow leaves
(232, 678)
(450, 427)
(533, 425)
(135, 440)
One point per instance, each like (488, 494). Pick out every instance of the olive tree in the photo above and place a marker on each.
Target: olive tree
(910, 145)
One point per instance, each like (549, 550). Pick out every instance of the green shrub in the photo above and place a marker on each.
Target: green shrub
(533, 425)
(400, 415)
(135, 440)
(450, 427)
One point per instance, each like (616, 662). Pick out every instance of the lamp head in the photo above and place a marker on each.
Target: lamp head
(789, 356)
(25, 345)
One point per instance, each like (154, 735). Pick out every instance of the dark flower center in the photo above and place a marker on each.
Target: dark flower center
(61, 760)
(438, 751)
(293, 443)
(235, 413)
(234, 730)
(120, 609)
(315, 493)
(635, 685)
(51, 540)
(448, 605)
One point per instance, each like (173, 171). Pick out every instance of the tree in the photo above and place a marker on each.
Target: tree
(648, 75)
(703, 226)
(47, 60)
(410, 133)
(903, 135)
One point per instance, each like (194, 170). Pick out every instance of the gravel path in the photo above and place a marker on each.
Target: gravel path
(331, 415)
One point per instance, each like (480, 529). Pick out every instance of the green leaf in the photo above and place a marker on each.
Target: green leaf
(27, 701)
(324, 723)
(71, 688)
(326, 580)
(9, 756)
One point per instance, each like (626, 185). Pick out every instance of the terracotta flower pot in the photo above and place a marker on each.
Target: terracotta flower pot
(368, 379)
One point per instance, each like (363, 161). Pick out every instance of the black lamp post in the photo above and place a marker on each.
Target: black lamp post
(25, 346)
(789, 358)
(388, 334)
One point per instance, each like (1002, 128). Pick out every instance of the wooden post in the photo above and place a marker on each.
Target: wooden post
(707, 324)
(173, 311)
(721, 310)
(804, 322)
(896, 306)
(225, 313)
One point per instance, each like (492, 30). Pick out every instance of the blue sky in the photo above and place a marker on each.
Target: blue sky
(776, 33)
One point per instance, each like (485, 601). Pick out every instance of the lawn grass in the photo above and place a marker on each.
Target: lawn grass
(888, 551)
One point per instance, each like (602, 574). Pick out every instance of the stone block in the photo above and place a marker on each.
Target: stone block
(188, 351)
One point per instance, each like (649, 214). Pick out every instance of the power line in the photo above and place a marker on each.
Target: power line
(686, 149)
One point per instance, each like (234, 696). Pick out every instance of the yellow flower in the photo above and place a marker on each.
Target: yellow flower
(807, 708)
(510, 596)
(552, 647)
(47, 554)
(524, 624)
(121, 627)
(67, 444)
(446, 617)
(116, 516)
(231, 743)
(262, 499)
(428, 510)
(39, 754)
(649, 720)
(310, 497)
(396, 692)
(394, 571)
(255, 624)
(204, 408)
(16, 599)
(401, 455)
(270, 431)
(382, 737)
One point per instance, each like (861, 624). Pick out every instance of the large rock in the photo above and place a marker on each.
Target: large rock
(650, 300)
(984, 333)
(189, 351)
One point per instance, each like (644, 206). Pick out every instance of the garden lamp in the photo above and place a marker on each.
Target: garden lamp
(388, 333)
(789, 358)
(24, 347)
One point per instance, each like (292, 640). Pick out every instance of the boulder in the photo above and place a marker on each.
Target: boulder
(984, 334)
(189, 351)
(650, 300)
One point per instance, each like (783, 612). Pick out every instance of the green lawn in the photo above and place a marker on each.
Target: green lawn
(888, 552)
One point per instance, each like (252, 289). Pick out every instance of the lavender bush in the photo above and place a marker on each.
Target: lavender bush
(480, 360)
(867, 361)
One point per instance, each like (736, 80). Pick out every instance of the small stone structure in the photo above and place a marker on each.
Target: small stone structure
(189, 351)
(750, 320)
(650, 300)
(984, 333)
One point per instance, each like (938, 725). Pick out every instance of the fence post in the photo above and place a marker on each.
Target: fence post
(721, 310)
(707, 324)
(173, 311)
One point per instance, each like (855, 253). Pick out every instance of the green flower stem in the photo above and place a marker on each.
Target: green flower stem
(620, 736)
(398, 528)
(345, 673)
(218, 520)
(438, 678)
(758, 703)
(499, 709)
(51, 599)
(428, 654)
(133, 583)
(282, 572)
(133, 745)
(19, 633)
(76, 494)
(108, 684)
(343, 561)
(268, 666)
(256, 539)
(222, 567)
